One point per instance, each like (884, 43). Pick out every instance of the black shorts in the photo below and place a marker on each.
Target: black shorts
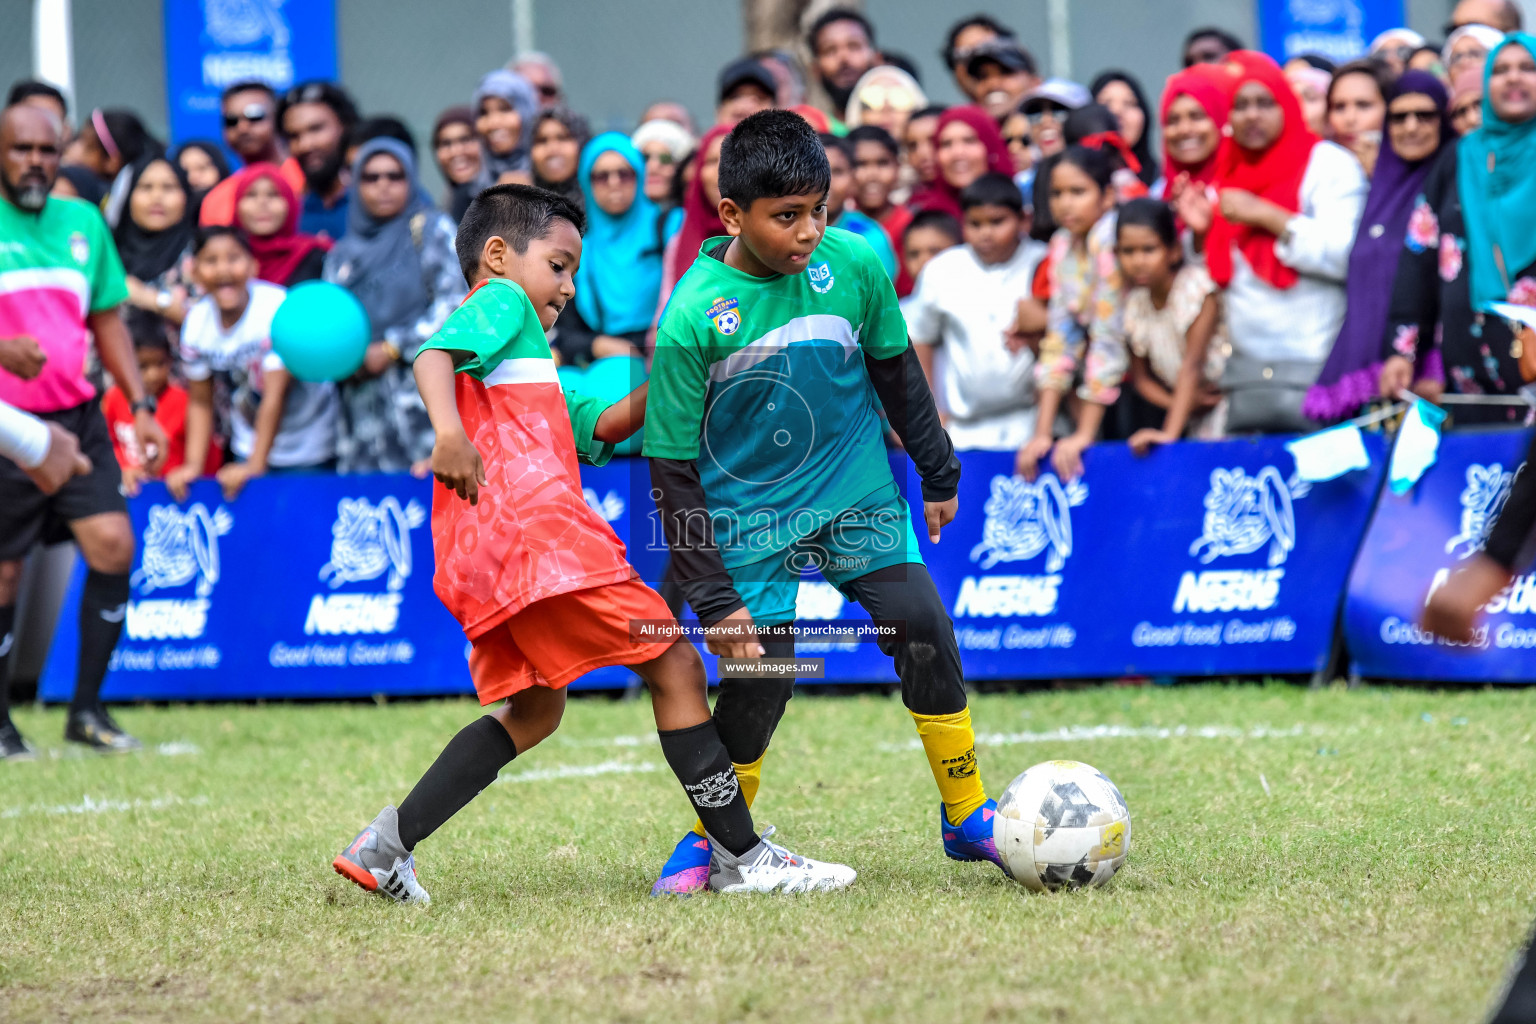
(29, 517)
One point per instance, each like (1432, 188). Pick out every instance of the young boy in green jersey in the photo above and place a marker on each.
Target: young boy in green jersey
(767, 457)
(537, 579)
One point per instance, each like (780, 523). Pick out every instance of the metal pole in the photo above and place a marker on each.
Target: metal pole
(53, 49)
(1059, 20)
(522, 27)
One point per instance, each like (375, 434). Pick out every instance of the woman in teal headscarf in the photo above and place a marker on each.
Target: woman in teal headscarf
(1472, 240)
(619, 278)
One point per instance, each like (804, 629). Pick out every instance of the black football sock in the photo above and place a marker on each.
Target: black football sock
(469, 763)
(103, 606)
(7, 642)
(701, 764)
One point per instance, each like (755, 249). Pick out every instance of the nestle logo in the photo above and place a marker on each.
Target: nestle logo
(1228, 590)
(349, 614)
(1007, 595)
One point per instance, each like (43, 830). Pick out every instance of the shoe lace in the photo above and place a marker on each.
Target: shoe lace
(775, 850)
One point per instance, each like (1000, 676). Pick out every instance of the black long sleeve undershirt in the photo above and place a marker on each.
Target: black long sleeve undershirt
(696, 563)
(909, 406)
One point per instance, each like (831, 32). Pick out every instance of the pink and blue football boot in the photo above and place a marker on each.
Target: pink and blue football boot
(971, 840)
(687, 870)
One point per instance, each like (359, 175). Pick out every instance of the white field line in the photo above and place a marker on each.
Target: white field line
(88, 805)
(1079, 733)
(580, 771)
(75, 752)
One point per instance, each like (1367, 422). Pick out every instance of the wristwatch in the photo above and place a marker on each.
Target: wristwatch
(145, 404)
(164, 299)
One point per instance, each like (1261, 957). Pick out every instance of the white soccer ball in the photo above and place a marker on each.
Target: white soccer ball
(1062, 824)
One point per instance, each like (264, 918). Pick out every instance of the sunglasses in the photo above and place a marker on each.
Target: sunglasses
(881, 97)
(374, 177)
(1401, 117)
(1020, 140)
(623, 177)
(1054, 110)
(662, 157)
(549, 92)
(254, 113)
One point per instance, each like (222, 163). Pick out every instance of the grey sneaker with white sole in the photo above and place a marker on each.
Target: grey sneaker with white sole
(378, 861)
(769, 867)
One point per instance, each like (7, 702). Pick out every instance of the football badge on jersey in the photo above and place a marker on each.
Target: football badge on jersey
(821, 277)
(725, 316)
(79, 248)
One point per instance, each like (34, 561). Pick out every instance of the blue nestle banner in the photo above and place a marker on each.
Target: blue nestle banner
(1337, 29)
(211, 44)
(1201, 559)
(1413, 543)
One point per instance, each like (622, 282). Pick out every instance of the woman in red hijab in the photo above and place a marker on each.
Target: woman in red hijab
(701, 213)
(1193, 117)
(267, 210)
(967, 145)
(1278, 241)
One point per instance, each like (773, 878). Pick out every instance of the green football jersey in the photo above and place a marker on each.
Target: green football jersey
(762, 381)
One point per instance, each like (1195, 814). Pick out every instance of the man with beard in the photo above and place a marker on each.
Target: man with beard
(315, 117)
(61, 283)
(842, 42)
(1003, 72)
(250, 129)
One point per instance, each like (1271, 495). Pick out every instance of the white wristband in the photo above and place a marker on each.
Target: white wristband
(23, 437)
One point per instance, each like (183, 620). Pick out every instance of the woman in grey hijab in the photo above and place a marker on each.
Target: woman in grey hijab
(505, 107)
(397, 258)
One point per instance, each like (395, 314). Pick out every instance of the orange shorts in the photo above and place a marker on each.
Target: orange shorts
(555, 640)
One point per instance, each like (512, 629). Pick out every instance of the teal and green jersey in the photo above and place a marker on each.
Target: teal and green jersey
(762, 382)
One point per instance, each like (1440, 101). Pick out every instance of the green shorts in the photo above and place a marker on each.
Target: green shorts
(872, 535)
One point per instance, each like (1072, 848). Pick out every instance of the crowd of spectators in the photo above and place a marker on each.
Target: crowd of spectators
(1250, 247)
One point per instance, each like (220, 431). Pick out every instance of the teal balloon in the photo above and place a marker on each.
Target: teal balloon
(609, 379)
(320, 332)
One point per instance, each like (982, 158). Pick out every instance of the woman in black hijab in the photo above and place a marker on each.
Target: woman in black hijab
(1122, 94)
(154, 237)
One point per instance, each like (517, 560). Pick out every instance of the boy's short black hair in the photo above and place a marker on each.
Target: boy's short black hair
(829, 142)
(518, 214)
(985, 21)
(874, 133)
(210, 232)
(833, 16)
(934, 220)
(148, 330)
(771, 154)
(248, 85)
(993, 189)
(1146, 212)
(931, 110)
(26, 88)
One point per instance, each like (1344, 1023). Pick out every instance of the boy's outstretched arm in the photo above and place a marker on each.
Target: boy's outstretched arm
(621, 419)
(696, 562)
(909, 405)
(454, 459)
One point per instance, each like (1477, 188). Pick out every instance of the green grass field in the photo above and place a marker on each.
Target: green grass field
(1296, 856)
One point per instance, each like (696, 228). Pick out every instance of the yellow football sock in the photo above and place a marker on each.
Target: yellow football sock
(950, 743)
(750, 776)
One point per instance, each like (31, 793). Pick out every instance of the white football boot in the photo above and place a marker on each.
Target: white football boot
(768, 867)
